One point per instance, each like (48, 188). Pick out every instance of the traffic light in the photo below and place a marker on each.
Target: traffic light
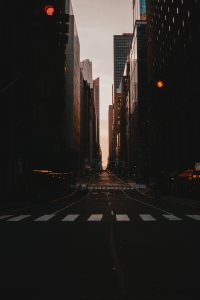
(160, 84)
(49, 10)
(56, 23)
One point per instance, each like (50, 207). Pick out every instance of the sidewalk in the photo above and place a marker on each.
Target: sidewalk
(182, 201)
(175, 199)
(12, 201)
(147, 191)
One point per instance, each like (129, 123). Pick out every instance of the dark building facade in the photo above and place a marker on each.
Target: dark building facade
(33, 93)
(90, 148)
(125, 122)
(173, 57)
(122, 46)
(133, 154)
(72, 99)
(96, 95)
(138, 101)
(110, 132)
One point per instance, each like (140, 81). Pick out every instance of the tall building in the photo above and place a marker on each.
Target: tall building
(122, 46)
(138, 91)
(96, 93)
(125, 123)
(139, 10)
(88, 134)
(173, 57)
(110, 131)
(86, 68)
(72, 134)
(33, 96)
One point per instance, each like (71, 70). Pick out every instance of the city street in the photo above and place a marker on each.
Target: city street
(107, 242)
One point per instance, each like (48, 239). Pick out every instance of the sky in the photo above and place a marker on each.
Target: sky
(97, 21)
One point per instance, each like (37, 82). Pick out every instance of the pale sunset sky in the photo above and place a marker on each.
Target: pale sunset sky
(97, 21)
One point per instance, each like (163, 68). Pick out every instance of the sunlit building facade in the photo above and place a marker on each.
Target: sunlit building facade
(86, 68)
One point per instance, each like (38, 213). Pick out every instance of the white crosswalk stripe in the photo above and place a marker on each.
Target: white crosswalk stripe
(122, 218)
(70, 218)
(107, 187)
(147, 218)
(18, 218)
(44, 218)
(5, 217)
(95, 218)
(194, 217)
(172, 218)
(98, 217)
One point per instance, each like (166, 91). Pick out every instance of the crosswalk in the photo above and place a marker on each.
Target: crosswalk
(113, 187)
(114, 217)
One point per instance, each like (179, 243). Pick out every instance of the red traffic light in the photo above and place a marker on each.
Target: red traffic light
(160, 84)
(49, 10)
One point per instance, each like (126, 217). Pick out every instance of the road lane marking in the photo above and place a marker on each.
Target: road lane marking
(73, 203)
(146, 204)
(144, 194)
(5, 217)
(95, 218)
(44, 218)
(122, 218)
(18, 218)
(147, 218)
(172, 218)
(194, 217)
(65, 197)
(70, 218)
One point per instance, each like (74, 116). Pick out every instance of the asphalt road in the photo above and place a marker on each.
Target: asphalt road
(108, 242)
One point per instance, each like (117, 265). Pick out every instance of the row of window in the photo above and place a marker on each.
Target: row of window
(169, 27)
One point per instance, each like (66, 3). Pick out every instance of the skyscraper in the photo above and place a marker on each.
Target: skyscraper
(139, 10)
(173, 56)
(86, 68)
(96, 93)
(110, 131)
(122, 45)
(72, 92)
(138, 90)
